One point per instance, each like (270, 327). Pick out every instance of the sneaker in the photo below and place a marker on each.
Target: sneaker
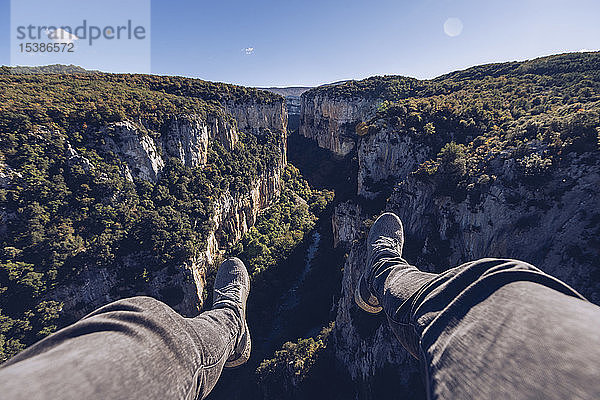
(232, 285)
(386, 238)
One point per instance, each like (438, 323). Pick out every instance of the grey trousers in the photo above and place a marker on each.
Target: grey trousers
(490, 329)
(137, 348)
(493, 329)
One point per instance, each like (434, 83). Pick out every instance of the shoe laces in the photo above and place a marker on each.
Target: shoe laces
(386, 245)
(383, 247)
(231, 291)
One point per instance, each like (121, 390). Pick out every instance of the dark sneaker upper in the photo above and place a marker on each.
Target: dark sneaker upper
(385, 239)
(231, 289)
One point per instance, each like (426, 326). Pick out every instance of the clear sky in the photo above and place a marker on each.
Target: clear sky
(310, 42)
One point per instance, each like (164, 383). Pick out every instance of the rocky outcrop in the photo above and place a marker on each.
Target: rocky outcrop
(331, 122)
(133, 145)
(387, 153)
(144, 154)
(254, 117)
(184, 137)
(187, 137)
(294, 104)
(7, 175)
(346, 223)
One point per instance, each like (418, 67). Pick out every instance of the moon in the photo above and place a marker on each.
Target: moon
(453, 27)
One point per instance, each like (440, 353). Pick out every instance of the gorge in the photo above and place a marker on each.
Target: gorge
(499, 160)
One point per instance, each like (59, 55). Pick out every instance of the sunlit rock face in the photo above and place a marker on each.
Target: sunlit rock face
(332, 122)
(144, 154)
(387, 154)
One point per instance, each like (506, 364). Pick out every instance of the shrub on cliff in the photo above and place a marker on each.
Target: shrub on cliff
(451, 169)
(282, 375)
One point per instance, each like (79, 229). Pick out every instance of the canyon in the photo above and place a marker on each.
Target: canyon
(470, 176)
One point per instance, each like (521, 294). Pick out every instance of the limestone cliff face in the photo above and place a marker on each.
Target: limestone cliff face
(184, 137)
(292, 95)
(187, 137)
(387, 154)
(254, 117)
(331, 122)
(136, 148)
(144, 154)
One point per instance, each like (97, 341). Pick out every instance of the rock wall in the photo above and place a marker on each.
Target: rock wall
(387, 154)
(144, 153)
(254, 117)
(332, 122)
(184, 137)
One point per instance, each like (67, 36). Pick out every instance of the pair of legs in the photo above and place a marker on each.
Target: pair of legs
(487, 329)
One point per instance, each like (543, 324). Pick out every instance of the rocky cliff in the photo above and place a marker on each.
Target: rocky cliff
(144, 154)
(331, 122)
(254, 117)
(293, 102)
(185, 138)
(385, 155)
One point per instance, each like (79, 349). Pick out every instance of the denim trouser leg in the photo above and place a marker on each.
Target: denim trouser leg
(494, 329)
(137, 348)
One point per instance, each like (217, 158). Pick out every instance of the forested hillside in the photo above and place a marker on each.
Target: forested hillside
(70, 202)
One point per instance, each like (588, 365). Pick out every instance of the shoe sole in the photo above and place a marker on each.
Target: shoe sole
(364, 305)
(245, 356)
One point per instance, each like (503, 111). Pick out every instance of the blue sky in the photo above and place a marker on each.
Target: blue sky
(310, 42)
